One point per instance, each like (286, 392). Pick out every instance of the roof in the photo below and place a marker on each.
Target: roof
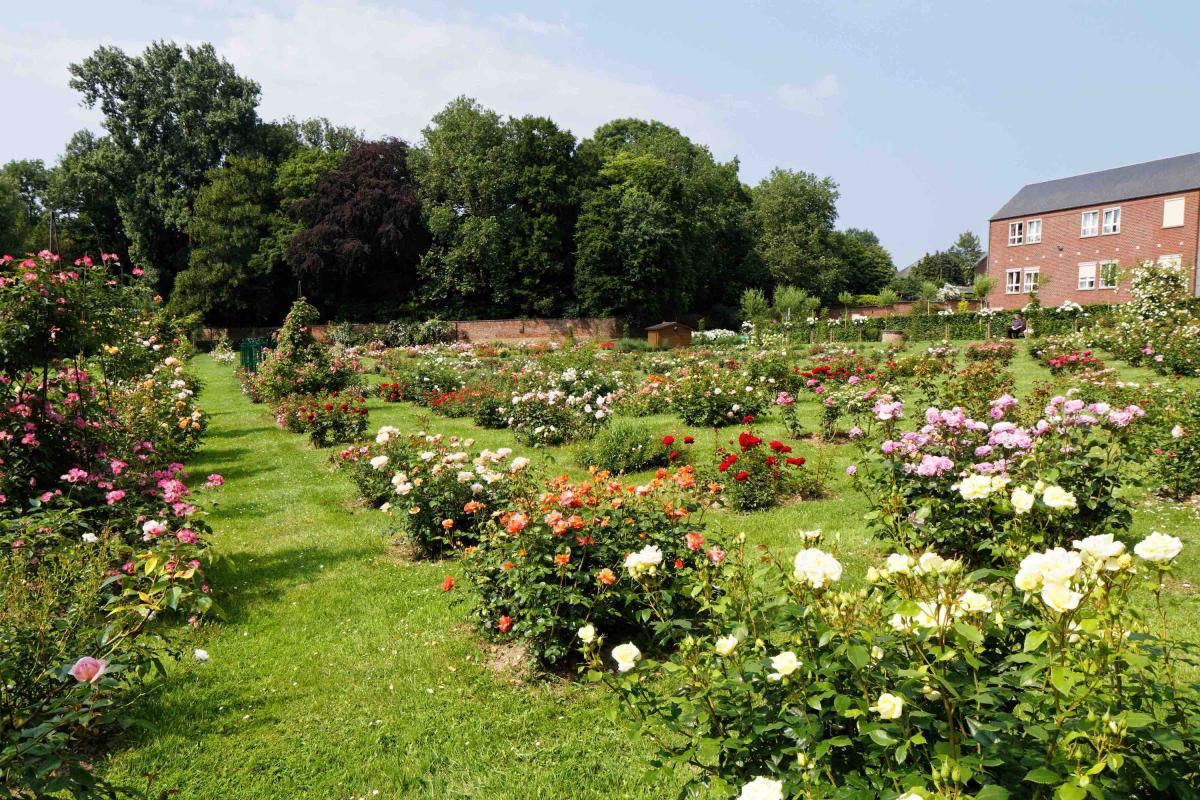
(1165, 176)
(664, 325)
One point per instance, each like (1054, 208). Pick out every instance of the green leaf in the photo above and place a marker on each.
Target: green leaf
(969, 632)
(881, 737)
(1071, 791)
(858, 655)
(1138, 719)
(992, 792)
(1043, 775)
(1034, 640)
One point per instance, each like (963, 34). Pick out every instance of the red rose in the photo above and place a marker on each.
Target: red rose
(689, 439)
(504, 624)
(746, 420)
(741, 476)
(668, 440)
(448, 584)
(727, 463)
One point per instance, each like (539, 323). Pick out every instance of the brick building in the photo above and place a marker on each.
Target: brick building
(1075, 238)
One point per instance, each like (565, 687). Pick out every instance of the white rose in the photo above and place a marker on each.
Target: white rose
(1101, 549)
(784, 664)
(379, 462)
(898, 564)
(587, 634)
(930, 562)
(1060, 566)
(1058, 498)
(645, 561)
(90, 538)
(889, 706)
(762, 789)
(816, 567)
(726, 645)
(201, 655)
(1158, 548)
(975, 487)
(1022, 500)
(519, 463)
(1060, 597)
(626, 655)
(974, 602)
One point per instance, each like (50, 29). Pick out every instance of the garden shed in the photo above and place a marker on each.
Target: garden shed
(669, 334)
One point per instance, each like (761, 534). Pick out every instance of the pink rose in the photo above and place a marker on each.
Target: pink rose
(186, 536)
(88, 669)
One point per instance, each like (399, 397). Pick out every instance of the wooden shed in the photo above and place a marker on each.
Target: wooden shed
(669, 334)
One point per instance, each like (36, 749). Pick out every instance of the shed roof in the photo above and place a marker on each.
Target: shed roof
(1164, 176)
(664, 325)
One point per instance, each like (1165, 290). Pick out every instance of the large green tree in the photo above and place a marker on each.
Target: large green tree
(794, 216)
(663, 228)
(173, 113)
(84, 191)
(955, 265)
(227, 281)
(498, 197)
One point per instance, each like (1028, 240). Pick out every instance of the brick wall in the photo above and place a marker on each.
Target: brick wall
(490, 330)
(481, 330)
(1062, 249)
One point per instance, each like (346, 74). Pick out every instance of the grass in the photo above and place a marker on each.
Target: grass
(341, 670)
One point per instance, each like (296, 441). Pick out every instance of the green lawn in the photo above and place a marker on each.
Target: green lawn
(341, 670)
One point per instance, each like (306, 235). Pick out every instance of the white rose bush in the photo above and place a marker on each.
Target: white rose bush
(929, 681)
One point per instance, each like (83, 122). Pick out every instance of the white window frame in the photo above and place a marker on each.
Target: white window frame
(1016, 233)
(1030, 226)
(1083, 226)
(1115, 228)
(1030, 285)
(1167, 258)
(1102, 273)
(1087, 276)
(1173, 203)
(1012, 281)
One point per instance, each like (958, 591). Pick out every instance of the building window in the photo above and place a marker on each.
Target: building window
(1032, 277)
(1108, 274)
(1012, 281)
(1090, 224)
(1112, 221)
(1173, 212)
(1087, 276)
(1016, 232)
(1033, 231)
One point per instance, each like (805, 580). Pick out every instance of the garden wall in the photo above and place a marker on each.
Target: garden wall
(478, 330)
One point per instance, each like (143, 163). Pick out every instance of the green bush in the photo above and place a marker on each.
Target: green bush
(628, 447)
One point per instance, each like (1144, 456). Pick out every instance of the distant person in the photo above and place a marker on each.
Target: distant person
(1016, 328)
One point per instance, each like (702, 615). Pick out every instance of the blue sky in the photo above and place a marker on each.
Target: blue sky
(928, 114)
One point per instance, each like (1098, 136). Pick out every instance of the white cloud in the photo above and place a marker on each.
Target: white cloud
(388, 70)
(527, 24)
(810, 98)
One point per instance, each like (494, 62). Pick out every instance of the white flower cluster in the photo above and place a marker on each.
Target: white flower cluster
(644, 562)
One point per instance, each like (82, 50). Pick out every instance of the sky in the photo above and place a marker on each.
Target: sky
(929, 115)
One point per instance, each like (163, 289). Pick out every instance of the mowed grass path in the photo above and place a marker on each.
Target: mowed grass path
(341, 670)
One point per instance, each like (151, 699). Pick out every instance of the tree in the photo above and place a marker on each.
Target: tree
(499, 198)
(753, 306)
(172, 114)
(794, 214)
(793, 304)
(663, 228)
(955, 265)
(24, 217)
(227, 280)
(866, 265)
(84, 191)
(363, 237)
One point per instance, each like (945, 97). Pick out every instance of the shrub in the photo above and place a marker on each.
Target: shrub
(592, 553)
(713, 395)
(930, 682)
(629, 447)
(987, 492)
(652, 397)
(299, 364)
(327, 418)
(441, 492)
(973, 387)
(757, 476)
(1001, 352)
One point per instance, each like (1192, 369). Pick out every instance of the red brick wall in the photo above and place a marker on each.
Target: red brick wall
(489, 330)
(1062, 249)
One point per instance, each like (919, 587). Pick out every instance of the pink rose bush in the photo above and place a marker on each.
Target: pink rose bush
(102, 540)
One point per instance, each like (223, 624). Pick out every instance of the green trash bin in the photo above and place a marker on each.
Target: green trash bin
(252, 352)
